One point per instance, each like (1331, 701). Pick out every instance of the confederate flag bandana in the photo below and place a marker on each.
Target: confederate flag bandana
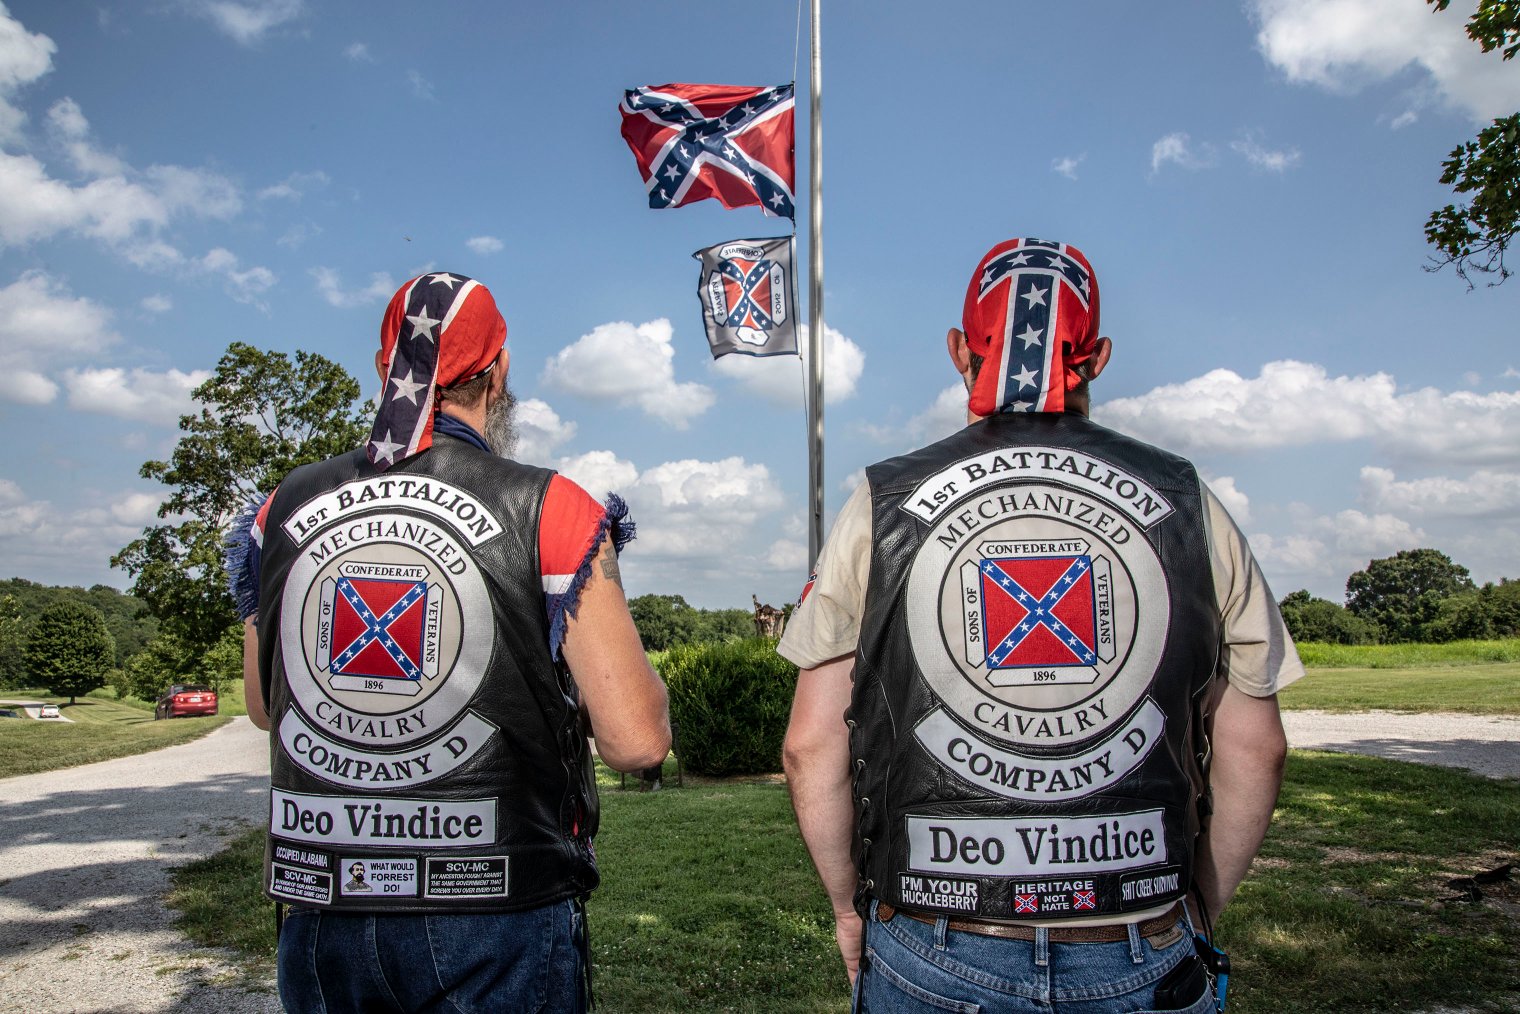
(1032, 314)
(439, 330)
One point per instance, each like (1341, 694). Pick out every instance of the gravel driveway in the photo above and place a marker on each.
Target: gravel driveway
(85, 855)
(1485, 744)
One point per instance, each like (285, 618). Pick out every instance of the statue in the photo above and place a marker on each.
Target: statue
(769, 621)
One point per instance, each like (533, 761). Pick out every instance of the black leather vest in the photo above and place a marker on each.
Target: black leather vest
(1039, 622)
(427, 754)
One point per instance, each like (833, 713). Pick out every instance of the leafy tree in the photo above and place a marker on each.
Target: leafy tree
(663, 620)
(1488, 612)
(1320, 620)
(12, 643)
(164, 661)
(70, 650)
(1475, 236)
(1402, 593)
(261, 415)
(128, 619)
(725, 624)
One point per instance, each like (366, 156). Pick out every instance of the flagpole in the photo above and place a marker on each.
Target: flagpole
(815, 302)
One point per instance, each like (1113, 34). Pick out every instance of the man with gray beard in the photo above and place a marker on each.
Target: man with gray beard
(432, 629)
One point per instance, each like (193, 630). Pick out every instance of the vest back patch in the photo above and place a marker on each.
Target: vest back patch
(372, 634)
(1038, 613)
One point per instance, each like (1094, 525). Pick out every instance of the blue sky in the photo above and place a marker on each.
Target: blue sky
(1250, 181)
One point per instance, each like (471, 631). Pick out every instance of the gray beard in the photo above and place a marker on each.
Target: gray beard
(501, 424)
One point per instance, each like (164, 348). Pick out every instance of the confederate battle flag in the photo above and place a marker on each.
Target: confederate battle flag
(694, 141)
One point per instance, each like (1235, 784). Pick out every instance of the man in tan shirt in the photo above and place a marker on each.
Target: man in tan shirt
(1018, 648)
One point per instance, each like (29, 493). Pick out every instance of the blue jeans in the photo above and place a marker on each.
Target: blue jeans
(337, 962)
(914, 967)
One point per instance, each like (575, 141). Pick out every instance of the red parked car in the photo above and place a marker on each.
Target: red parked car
(185, 699)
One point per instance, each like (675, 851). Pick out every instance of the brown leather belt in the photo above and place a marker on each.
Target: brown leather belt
(1059, 934)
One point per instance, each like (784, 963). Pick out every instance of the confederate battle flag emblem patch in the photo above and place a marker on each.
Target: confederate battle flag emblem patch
(378, 634)
(1038, 611)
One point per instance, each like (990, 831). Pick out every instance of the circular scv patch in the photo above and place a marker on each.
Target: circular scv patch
(1039, 614)
(371, 629)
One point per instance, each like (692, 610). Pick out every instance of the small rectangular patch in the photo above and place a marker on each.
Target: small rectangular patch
(1036, 846)
(300, 884)
(1135, 892)
(378, 878)
(293, 856)
(938, 892)
(467, 877)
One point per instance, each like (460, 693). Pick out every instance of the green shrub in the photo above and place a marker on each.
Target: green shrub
(730, 702)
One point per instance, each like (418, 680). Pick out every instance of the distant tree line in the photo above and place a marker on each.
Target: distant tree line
(665, 621)
(1415, 595)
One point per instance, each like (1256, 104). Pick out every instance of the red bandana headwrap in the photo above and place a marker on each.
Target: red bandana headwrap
(1032, 313)
(439, 329)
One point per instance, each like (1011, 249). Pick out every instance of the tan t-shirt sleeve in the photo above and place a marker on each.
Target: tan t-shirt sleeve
(1258, 656)
(827, 624)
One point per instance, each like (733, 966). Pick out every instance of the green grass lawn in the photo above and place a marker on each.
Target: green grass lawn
(1405, 656)
(100, 730)
(1475, 689)
(709, 903)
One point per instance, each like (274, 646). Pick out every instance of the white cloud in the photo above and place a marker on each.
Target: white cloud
(295, 186)
(247, 21)
(780, 378)
(1328, 547)
(246, 285)
(1403, 120)
(71, 131)
(1342, 45)
(848, 483)
(484, 244)
(358, 52)
(787, 556)
(1178, 149)
(24, 57)
(1486, 493)
(157, 303)
(1261, 157)
(1231, 497)
(1066, 165)
(380, 288)
(540, 431)
(421, 86)
(144, 395)
(1293, 403)
(599, 472)
(632, 366)
(124, 213)
(42, 326)
(57, 545)
(692, 510)
(296, 236)
(944, 416)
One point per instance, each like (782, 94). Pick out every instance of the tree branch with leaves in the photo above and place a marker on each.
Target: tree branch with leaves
(1474, 237)
(261, 415)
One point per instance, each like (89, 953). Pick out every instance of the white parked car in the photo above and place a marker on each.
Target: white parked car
(48, 711)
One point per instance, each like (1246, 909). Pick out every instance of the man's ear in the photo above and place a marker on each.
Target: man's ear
(380, 368)
(499, 374)
(960, 353)
(1101, 353)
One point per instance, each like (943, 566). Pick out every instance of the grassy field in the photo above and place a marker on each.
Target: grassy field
(1473, 689)
(1407, 656)
(708, 902)
(1475, 677)
(100, 730)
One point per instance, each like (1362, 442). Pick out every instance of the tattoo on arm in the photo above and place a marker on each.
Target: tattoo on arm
(610, 566)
